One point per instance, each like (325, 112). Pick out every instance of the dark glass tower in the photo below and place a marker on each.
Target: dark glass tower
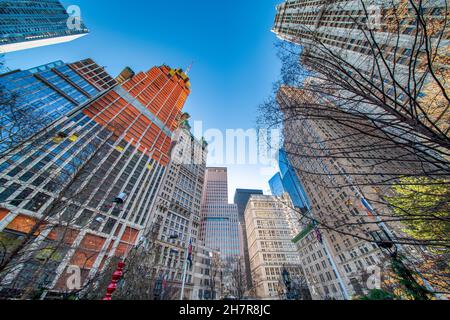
(241, 198)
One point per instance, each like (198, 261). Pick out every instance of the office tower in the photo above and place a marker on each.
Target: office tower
(220, 221)
(31, 24)
(88, 185)
(346, 196)
(241, 198)
(177, 217)
(271, 225)
(276, 185)
(304, 21)
(369, 48)
(41, 95)
(287, 181)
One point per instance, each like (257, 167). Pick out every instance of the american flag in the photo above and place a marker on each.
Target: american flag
(190, 253)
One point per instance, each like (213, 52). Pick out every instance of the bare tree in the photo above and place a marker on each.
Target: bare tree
(51, 235)
(19, 123)
(238, 276)
(215, 270)
(381, 124)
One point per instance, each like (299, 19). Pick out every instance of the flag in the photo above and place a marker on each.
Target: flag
(190, 254)
(317, 232)
(368, 207)
(164, 282)
(318, 235)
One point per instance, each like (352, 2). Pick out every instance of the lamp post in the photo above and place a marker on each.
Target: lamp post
(385, 242)
(287, 283)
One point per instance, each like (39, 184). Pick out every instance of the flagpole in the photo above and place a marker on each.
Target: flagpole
(185, 272)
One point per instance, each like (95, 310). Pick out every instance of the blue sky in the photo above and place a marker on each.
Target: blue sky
(229, 41)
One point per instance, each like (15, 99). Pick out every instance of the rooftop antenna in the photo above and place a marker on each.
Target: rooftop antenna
(189, 68)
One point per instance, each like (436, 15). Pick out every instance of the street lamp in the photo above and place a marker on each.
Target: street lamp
(384, 241)
(287, 282)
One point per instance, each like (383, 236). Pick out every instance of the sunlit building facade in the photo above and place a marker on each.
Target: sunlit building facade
(220, 221)
(271, 225)
(375, 42)
(84, 190)
(333, 24)
(177, 213)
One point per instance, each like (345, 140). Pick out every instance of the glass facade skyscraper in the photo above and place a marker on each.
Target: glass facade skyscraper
(89, 183)
(287, 181)
(46, 93)
(28, 24)
(292, 183)
(276, 185)
(220, 222)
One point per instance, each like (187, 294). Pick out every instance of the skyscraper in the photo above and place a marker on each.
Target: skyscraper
(334, 24)
(31, 24)
(373, 45)
(177, 213)
(241, 199)
(346, 198)
(276, 185)
(220, 221)
(88, 184)
(41, 95)
(287, 181)
(271, 225)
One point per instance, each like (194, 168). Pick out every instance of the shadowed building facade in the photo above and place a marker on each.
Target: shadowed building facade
(346, 195)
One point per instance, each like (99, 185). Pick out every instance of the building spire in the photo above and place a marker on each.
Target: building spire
(189, 68)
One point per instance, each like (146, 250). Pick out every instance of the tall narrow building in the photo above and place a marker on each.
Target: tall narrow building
(177, 215)
(220, 221)
(30, 24)
(241, 198)
(83, 191)
(271, 225)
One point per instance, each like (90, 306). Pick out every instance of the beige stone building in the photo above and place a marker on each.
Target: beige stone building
(271, 226)
(176, 216)
(346, 174)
